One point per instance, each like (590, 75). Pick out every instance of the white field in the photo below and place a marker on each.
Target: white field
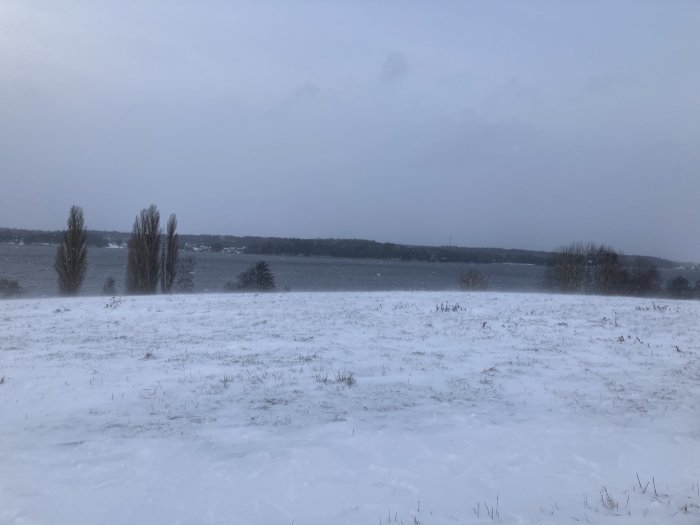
(225, 409)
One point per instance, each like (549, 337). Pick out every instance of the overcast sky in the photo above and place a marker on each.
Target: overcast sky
(494, 123)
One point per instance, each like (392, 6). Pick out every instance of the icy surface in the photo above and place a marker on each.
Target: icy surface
(358, 408)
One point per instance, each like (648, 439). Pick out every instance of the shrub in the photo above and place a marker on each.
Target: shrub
(447, 307)
(679, 287)
(114, 303)
(110, 286)
(9, 288)
(345, 377)
(185, 274)
(257, 277)
(473, 280)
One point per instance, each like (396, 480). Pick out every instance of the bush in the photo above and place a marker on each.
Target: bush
(679, 287)
(110, 286)
(184, 281)
(473, 280)
(257, 277)
(9, 288)
(642, 279)
(346, 378)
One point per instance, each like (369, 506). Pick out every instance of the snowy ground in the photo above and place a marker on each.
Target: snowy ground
(242, 409)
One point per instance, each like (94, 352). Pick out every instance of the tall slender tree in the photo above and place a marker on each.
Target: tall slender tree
(71, 256)
(143, 264)
(169, 256)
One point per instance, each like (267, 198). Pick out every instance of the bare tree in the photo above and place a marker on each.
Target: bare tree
(9, 288)
(567, 269)
(143, 264)
(71, 256)
(609, 274)
(473, 279)
(643, 278)
(169, 257)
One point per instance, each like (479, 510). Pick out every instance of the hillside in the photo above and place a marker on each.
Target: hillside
(347, 408)
(348, 248)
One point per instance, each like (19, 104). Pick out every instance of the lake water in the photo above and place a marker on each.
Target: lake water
(32, 267)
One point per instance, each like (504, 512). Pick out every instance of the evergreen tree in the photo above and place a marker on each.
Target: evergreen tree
(257, 277)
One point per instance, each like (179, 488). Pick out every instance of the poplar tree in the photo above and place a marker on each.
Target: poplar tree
(71, 256)
(143, 259)
(169, 256)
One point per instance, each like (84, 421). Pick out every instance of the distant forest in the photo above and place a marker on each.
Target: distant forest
(348, 248)
(15, 236)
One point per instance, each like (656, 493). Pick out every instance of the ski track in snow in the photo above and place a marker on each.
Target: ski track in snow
(524, 408)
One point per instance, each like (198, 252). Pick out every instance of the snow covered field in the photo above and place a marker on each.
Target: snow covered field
(358, 408)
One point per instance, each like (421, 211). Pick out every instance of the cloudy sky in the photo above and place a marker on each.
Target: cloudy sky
(493, 123)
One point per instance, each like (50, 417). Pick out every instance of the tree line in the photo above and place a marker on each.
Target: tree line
(14, 235)
(154, 262)
(150, 260)
(364, 249)
(347, 248)
(153, 259)
(599, 269)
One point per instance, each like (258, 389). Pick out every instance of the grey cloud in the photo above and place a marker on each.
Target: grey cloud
(279, 120)
(513, 93)
(394, 68)
(300, 96)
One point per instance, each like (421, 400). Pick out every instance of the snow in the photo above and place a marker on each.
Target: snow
(228, 409)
